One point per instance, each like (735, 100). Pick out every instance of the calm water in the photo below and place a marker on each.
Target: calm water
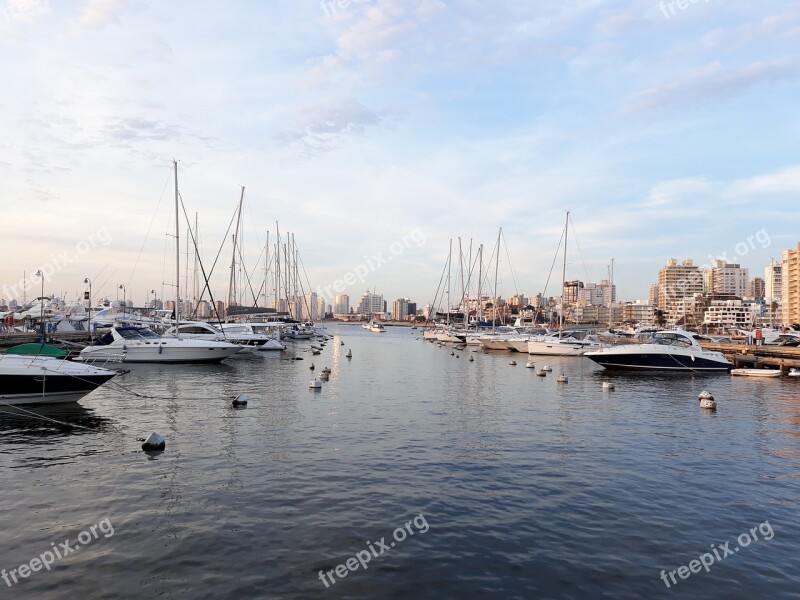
(527, 488)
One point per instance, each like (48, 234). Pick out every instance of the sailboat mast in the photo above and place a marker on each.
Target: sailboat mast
(266, 271)
(496, 268)
(232, 283)
(463, 284)
(480, 274)
(563, 278)
(177, 257)
(449, 272)
(195, 279)
(611, 298)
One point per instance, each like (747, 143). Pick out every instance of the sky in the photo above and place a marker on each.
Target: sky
(377, 131)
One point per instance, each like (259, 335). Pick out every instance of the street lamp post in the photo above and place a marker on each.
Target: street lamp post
(124, 304)
(87, 280)
(41, 301)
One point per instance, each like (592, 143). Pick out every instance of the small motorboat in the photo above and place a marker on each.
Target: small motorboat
(757, 372)
(793, 373)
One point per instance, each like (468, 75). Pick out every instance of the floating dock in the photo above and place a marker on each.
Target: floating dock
(750, 355)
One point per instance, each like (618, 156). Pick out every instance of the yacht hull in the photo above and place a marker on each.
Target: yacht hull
(653, 361)
(47, 381)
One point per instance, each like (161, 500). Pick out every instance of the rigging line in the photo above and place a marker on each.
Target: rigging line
(580, 253)
(511, 265)
(153, 220)
(466, 293)
(102, 285)
(219, 252)
(436, 296)
(253, 220)
(202, 268)
(552, 266)
(246, 274)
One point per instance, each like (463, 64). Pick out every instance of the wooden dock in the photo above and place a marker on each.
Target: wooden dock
(750, 355)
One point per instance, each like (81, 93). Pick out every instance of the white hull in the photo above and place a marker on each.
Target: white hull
(495, 343)
(140, 345)
(756, 372)
(271, 345)
(557, 347)
(519, 345)
(171, 351)
(447, 337)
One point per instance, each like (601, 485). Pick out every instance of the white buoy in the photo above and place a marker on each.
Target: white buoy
(607, 385)
(349, 354)
(315, 384)
(240, 400)
(562, 378)
(707, 400)
(154, 442)
(529, 365)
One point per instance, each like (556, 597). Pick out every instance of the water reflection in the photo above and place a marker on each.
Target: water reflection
(48, 424)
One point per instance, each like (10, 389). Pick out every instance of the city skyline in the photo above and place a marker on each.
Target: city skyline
(356, 126)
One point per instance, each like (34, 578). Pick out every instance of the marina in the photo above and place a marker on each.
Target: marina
(533, 487)
(388, 299)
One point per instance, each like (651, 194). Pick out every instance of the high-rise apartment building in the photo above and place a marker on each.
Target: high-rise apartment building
(400, 309)
(341, 305)
(790, 296)
(678, 281)
(756, 289)
(371, 304)
(728, 279)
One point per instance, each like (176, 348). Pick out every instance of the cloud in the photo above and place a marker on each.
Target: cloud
(710, 82)
(784, 182)
(99, 13)
(321, 128)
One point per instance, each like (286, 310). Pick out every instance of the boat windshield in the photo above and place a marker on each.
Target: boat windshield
(671, 339)
(138, 333)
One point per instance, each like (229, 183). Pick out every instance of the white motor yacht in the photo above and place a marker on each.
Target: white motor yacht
(142, 345)
(564, 345)
(270, 331)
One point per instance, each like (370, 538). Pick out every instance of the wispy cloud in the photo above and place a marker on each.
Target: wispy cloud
(99, 13)
(711, 82)
(322, 128)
